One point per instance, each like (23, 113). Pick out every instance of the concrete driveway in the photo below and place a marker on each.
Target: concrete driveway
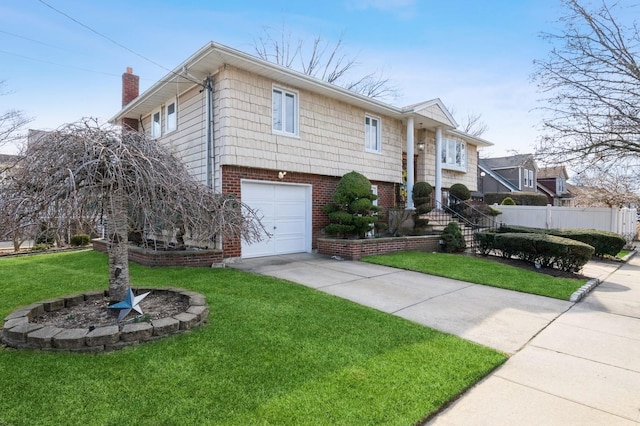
(501, 319)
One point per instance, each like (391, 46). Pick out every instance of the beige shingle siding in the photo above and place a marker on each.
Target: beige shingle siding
(331, 133)
(435, 113)
(188, 140)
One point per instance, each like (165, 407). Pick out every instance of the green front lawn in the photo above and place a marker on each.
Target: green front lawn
(272, 352)
(481, 271)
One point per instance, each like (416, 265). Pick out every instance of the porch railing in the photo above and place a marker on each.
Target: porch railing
(470, 219)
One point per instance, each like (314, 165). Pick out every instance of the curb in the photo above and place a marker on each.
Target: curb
(580, 293)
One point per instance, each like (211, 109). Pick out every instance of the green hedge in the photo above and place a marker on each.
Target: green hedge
(546, 250)
(520, 198)
(603, 242)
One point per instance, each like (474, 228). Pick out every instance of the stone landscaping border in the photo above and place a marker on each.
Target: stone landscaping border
(19, 332)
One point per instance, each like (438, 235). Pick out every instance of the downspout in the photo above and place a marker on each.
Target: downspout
(208, 85)
(438, 182)
(410, 168)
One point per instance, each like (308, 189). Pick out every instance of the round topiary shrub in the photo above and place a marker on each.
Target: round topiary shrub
(460, 191)
(508, 202)
(421, 196)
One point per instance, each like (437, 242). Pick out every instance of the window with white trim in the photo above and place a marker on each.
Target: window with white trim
(525, 176)
(560, 186)
(532, 181)
(284, 111)
(156, 124)
(171, 116)
(372, 134)
(454, 154)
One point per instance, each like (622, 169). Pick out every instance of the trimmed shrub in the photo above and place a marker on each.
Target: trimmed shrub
(352, 211)
(520, 198)
(521, 229)
(508, 202)
(546, 250)
(40, 247)
(485, 242)
(80, 240)
(460, 191)
(603, 242)
(453, 239)
(421, 196)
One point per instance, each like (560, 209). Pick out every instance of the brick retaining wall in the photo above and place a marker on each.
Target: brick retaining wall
(147, 257)
(355, 249)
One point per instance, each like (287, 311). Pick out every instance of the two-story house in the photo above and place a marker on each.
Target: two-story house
(281, 140)
(552, 181)
(515, 173)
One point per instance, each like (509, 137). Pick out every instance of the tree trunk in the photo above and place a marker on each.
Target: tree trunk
(117, 246)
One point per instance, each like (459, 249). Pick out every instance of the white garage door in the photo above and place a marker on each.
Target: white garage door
(286, 215)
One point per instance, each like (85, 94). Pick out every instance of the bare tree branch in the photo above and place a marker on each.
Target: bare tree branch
(85, 167)
(607, 185)
(11, 121)
(323, 60)
(591, 86)
(472, 123)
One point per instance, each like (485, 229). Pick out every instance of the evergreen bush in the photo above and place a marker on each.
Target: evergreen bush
(80, 240)
(508, 201)
(421, 196)
(460, 191)
(352, 213)
(453, 239)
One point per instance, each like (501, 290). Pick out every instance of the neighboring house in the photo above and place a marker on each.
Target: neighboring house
(515, 173)
(552, 181)
(280, 140)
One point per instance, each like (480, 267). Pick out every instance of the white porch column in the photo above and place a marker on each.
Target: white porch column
(438, 184)
(410, 171)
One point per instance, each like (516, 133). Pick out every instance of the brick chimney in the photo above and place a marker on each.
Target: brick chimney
(130, 86)
(130, 91)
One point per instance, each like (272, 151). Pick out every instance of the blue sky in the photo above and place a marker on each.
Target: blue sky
(477, 56)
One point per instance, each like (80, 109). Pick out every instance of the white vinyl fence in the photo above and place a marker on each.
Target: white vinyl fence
(619, 220)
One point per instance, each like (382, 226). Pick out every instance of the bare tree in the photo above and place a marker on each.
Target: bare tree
(591, 86)
(608, 185)
(11, 121)
(471, 123)
(323, 60)
(85, 166)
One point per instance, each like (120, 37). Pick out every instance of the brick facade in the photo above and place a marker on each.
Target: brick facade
(322, 191)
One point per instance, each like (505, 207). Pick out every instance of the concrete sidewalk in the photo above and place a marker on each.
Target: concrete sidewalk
(571, 363)
(583, 369)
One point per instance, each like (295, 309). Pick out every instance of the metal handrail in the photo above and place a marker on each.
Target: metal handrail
(469, 227)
